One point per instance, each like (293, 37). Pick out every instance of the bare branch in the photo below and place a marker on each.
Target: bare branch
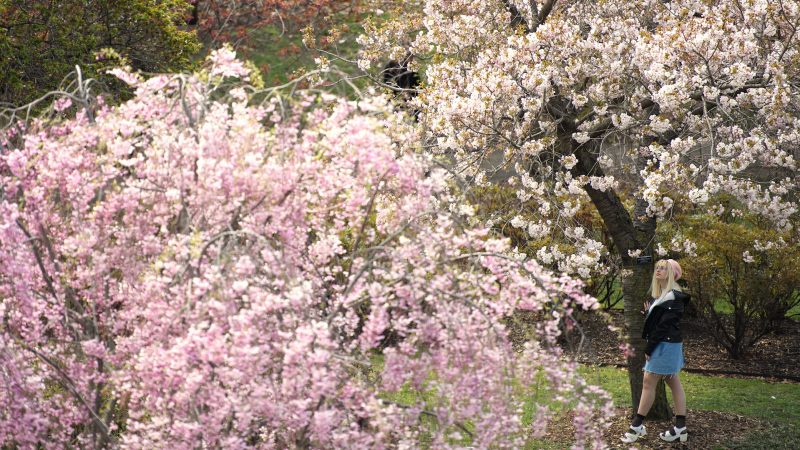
(69, 385)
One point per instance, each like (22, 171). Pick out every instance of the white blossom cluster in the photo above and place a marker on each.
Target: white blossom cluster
(705, 95)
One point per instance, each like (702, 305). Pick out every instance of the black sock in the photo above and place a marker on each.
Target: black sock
(680, 421)
(637, 420)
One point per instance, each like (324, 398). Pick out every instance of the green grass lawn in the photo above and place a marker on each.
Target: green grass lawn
(777, 403)
(281, 55)
(278, 54)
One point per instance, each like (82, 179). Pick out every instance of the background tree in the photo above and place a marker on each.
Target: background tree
(42, 41)
(231, 21)
(285, 39)
(694, 98)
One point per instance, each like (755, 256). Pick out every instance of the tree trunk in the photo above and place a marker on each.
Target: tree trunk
(635, 289)
(630, 232)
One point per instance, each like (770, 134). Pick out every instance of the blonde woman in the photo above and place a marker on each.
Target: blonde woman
(664, 351)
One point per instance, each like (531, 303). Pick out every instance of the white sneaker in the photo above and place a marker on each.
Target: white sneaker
(634, 433)
(674, 434)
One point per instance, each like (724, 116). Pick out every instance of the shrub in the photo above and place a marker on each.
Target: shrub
(744, 280)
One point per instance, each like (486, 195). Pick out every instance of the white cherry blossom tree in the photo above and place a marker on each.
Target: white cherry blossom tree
(702, 96)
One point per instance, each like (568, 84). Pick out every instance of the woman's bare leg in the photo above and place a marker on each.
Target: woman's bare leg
(678, 395)
(649, 392)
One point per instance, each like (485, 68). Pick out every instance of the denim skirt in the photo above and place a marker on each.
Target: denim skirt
(667, 359)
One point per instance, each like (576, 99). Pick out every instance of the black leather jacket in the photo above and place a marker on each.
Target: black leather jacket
(663, 324)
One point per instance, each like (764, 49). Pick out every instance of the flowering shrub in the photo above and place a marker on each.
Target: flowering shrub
(196, 269)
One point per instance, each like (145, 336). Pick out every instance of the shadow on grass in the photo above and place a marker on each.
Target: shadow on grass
(782, 437)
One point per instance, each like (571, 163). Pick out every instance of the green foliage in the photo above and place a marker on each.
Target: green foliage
(277, 54)
(41, 41)
(499, 204)
(744, 268)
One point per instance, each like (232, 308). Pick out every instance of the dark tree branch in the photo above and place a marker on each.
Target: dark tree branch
(516, 16)
(39, 262)
(616, 217)
(539, 15)
(66, 382)
(547, 8)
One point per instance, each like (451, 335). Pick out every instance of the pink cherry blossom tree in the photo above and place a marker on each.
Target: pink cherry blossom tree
(213, 265)
(686, 99)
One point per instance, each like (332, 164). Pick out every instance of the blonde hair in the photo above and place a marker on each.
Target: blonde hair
(655, 288)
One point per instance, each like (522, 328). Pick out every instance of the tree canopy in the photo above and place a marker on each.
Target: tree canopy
(42, 41)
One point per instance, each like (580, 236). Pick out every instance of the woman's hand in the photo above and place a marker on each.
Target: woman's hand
(646, 307)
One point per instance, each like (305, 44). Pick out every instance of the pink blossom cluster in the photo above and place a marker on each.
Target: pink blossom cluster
(193, 269)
